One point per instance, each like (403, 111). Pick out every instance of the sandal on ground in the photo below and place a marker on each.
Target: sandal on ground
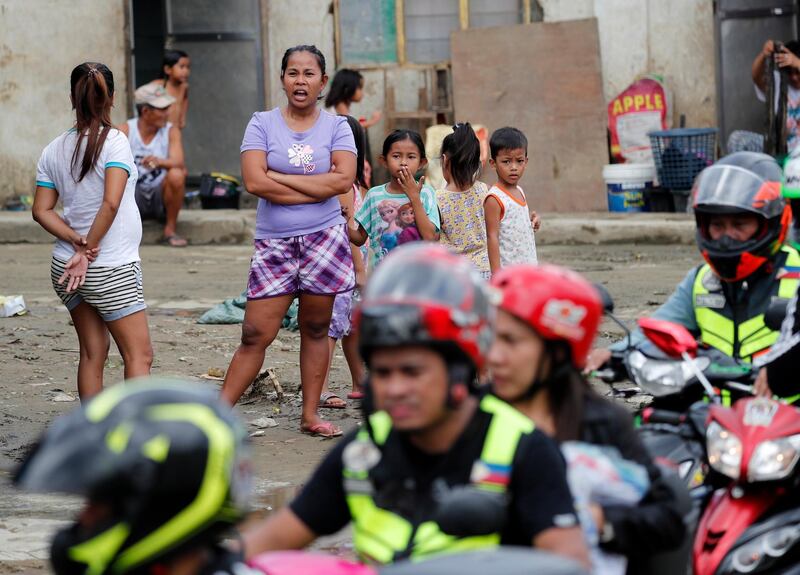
(324, 429)
(174, 241)
(325, 400)
(355, 395)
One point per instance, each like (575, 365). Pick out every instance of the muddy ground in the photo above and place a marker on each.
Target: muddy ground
(39, 362)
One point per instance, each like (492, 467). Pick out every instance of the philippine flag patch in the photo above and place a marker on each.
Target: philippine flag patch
(789, 273)
(490, 473)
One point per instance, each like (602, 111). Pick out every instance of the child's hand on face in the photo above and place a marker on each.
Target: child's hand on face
(409, 185)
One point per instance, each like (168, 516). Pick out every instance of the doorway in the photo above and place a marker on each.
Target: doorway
(223, 40)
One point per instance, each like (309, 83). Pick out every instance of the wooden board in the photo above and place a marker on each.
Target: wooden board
(544, 79)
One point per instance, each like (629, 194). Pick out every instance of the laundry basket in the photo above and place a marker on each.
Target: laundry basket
(681, 154)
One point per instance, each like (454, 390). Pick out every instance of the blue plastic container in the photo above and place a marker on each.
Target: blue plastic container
(682, 154)
(627, 185)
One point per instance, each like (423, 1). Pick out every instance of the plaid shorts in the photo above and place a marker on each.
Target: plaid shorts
(319, 263)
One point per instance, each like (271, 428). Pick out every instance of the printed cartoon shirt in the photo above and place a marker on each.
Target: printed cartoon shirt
(463, 224)
(389, 219)
(290, 152)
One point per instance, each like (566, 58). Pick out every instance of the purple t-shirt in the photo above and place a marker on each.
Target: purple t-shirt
(290, 152)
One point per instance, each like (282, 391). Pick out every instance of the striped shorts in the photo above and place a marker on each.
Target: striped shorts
(115, 292)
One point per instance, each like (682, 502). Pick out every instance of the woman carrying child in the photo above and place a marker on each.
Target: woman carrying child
(403, 155)
(95, 269)
(297, 159)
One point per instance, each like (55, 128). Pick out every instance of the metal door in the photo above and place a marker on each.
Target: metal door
(742, 27)
(223, 40)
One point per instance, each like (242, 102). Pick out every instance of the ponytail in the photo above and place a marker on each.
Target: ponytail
(92, 92)
(463, 151)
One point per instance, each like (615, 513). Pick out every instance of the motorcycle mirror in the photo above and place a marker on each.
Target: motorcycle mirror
(468, 512)
(773, 318)
(605, 297)
(671, 338)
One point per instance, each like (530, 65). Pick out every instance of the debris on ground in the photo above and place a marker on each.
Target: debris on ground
(264, 423)
(265, 382)
(11, 305)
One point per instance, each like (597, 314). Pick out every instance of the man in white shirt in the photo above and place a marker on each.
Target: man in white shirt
(158, 151)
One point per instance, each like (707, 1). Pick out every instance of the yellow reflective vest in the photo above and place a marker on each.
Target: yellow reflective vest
(382, 536)
(741, 338)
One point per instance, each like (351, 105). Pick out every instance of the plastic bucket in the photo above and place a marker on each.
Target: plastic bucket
(627, 184)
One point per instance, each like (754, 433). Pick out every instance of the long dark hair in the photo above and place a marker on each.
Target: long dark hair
(463, 151)
(92, 92)
(361, 148)
(171, 57)
(567, 391)
(344, 85)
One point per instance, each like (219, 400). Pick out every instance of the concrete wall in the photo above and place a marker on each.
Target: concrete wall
(674, 39)
(40, 42)
(290, 24)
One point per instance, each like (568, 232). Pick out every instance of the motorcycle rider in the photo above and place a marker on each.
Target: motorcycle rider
(165, 474)
(742, 222)
(424, 329)
(778, 375)
(546, 322)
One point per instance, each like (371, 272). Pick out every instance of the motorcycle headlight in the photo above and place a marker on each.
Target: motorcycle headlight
(760, 554)
(661, 377)
(724, 450)
(774, 459)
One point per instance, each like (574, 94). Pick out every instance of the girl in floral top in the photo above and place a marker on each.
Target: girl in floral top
(463, 228)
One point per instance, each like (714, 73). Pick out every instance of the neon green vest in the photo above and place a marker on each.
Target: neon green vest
(382, 536)
(752, 335)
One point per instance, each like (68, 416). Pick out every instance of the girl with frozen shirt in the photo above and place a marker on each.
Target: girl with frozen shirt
(297, 159)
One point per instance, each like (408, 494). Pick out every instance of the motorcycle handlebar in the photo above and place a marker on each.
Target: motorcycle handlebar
(651, 415)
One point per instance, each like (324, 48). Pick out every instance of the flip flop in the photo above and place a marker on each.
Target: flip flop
(326, 396)
(324, 429)
(355, 395)
(174, 241)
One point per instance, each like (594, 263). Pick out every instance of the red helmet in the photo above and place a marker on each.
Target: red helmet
(423, 294)
(556, 302)
(741, 183)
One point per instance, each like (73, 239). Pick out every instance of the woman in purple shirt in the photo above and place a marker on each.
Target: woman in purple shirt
(296, 159)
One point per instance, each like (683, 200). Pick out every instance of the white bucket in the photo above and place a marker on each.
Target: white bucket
(626, 185)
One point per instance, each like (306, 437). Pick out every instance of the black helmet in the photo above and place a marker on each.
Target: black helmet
(741, 183)
(424, 294)
(165, 459)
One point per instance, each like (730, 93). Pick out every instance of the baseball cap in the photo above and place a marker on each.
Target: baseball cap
(153, 95)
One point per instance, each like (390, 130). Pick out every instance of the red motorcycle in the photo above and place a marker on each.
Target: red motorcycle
(753, 524)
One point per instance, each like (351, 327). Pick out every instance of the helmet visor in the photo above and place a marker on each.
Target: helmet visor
(450, 286)
(731, 189)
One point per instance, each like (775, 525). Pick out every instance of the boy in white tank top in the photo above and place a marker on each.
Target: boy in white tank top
(158, 152)
(509, 224)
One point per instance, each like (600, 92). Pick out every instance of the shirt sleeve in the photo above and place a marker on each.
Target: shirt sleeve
(321, 504)
(541, 497)
(117, 152)
(255, 135)
(679, 308)
(431, 207)
(43, 177)
(343, 137)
